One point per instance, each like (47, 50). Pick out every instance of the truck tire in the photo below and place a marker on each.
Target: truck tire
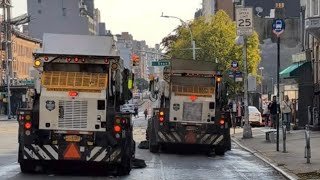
(228, 143)
(27, 167)
(153, 145)
(126, 161)
(220, 150)
(154, 148)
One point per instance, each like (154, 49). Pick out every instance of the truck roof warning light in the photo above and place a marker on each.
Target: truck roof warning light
(193, 98)
(73, 94)
(72, 152)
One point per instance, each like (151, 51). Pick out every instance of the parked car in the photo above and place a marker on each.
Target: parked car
(127, 108)
(255, 118)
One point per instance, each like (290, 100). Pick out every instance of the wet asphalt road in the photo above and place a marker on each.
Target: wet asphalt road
(236, 164)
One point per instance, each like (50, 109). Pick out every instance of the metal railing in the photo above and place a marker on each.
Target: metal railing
(193, 90)
(82, 81)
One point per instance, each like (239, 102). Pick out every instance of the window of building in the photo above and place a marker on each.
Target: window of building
(315, 5)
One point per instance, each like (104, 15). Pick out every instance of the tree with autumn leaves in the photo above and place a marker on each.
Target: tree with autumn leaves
(216, 39)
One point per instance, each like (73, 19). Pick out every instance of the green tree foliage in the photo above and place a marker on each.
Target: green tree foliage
(216, 38)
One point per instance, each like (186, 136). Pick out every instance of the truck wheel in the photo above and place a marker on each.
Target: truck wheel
(228, 143)
(154, 148)
(153, 145)
(126, 162)
(27, 167)
(220, 150)
(125, 168)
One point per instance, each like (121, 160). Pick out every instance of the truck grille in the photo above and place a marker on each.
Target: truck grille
(192, 111)
(73, 114)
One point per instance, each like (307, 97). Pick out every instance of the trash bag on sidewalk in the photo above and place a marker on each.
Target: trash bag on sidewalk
(144, 145)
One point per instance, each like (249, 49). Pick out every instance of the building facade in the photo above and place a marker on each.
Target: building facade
(65, 17)
(22, 62)
(312, 43)
(210, 7)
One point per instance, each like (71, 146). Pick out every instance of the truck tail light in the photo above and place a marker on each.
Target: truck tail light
(161, 116)
(76, 59)
(221, 122)
(27, 125)
(117, 129)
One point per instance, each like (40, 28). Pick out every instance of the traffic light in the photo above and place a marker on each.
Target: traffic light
(135, 60)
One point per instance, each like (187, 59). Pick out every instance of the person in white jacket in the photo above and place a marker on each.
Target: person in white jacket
(286, 108)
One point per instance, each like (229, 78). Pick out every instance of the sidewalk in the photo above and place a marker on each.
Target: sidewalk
(5, 118)
(292, 162)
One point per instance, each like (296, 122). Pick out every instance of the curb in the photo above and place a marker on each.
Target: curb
(255, 153)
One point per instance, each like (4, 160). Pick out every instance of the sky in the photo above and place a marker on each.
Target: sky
(141, 18)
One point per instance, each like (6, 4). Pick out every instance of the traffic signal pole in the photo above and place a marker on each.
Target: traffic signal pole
(6, 5)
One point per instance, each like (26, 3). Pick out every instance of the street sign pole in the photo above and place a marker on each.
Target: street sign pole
(278, 28)
(244, 20)
(278, 84)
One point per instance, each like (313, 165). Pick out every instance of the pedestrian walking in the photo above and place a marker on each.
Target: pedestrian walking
(239, 114)
(266, 114)
(145, 114)
(136, 111)
(273, 111)
(286, 108)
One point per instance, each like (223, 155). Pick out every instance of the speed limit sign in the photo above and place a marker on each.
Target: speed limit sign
(244, 20)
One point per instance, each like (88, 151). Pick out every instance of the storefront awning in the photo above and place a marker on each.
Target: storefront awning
(292, 70)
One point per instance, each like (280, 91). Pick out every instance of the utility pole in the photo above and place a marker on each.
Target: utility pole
(6, 5)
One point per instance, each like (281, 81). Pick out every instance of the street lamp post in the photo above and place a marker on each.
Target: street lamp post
(272, 86)
(193, 43)
(261, 69)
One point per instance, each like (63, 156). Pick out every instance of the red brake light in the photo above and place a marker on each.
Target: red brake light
(106, 61)
(46, 58)
(69, 59)
(27, 125)
(76, 59)
(161, 119)
(21, 117)
(117, 129)
(73, 94)
(83, 60)
(193, 98)
(221, 122)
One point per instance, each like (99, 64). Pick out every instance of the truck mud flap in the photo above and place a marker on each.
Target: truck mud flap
(189, 138)
(53, 152)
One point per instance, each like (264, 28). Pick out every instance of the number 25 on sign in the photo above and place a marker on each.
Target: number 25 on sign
(244, 20)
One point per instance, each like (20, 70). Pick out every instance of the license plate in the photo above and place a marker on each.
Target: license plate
(191, 128)
(72, 138)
